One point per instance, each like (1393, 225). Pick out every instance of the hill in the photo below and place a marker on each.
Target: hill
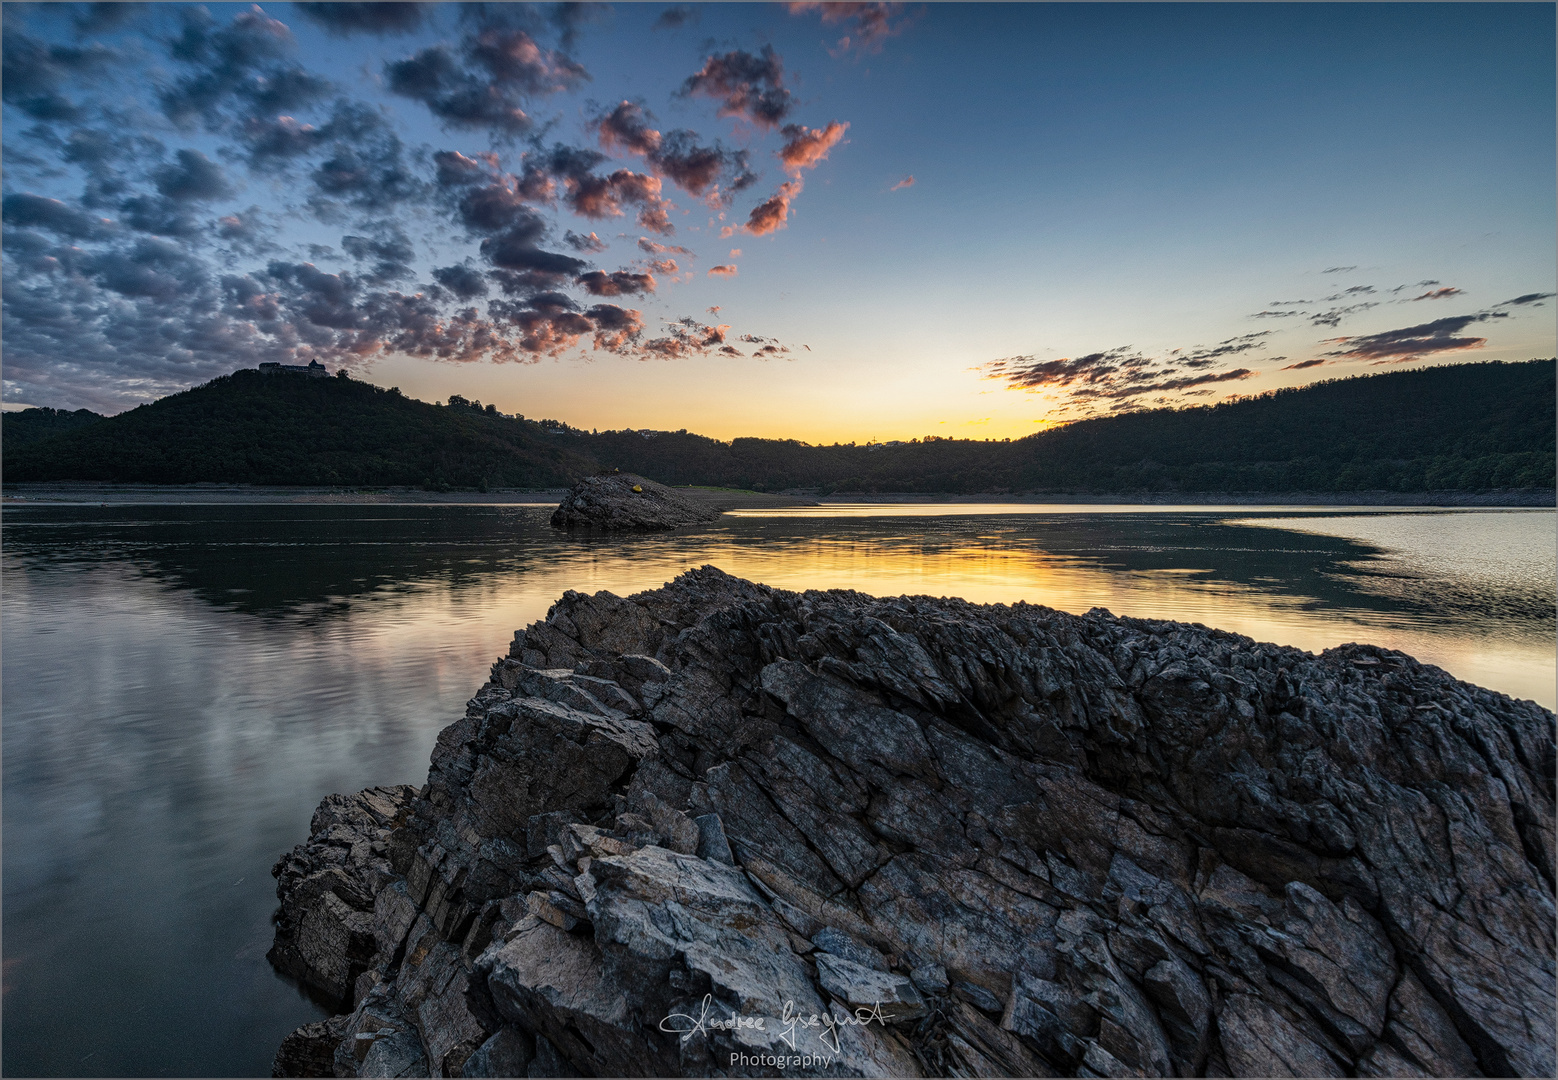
(1464, 427)
(249, 428)
(29, 425)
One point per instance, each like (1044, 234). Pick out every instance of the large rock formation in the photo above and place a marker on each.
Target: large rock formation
(698, 829)
(622, 502)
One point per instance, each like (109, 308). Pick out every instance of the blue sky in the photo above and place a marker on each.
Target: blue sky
(1112, 207)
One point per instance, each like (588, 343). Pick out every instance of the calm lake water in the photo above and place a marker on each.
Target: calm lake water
(182, 685)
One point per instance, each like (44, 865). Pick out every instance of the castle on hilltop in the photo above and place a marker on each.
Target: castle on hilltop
(314, 369)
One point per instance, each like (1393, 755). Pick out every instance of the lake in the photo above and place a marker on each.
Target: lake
(183, 684)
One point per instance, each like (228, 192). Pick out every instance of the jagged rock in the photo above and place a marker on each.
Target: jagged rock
(693, 830)
(325, 930)
(508, 1053)
(621, 502)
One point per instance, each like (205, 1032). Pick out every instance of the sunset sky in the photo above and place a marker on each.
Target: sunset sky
(814, 221)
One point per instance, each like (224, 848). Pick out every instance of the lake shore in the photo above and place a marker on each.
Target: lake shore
(733, 499)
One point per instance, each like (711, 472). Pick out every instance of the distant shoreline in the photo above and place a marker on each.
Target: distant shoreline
(726, 499)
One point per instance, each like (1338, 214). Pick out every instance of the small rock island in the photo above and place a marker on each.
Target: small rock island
(622, 502)
(710, 827)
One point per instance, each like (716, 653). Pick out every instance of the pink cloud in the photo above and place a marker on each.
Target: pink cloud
(906, 182)
(805, 147)
(870, 23)
(722, 271)
(774, 214)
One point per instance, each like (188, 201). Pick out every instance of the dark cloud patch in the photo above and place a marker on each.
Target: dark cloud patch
(617, 329)
(369, 172)
(495, 207)
(1117, 377)
(1439, 294)
(498, 68)
(159, 216)
(685, 337)
(382, 19)
(153, 269)
(676, 17)
(1419, 285)
(1268, 314)
(696, 168)
(238, 68)
(745, 85)
(589, 243)
(192, 177)
(1162, 386)
(547, 324)
(272, 142)
(678, 155)
(452, 94)
(616, 283)
(1205, 356)
(1414, 342)
(390, 252)
(572, 16)
(1528, 298)
(103, 18)
(599, 197)
(1030, 373)
(246, 232)
(1338, 269)
(36, 211)
(454, 169)
(464, 282)
(1334, 316)
(515, 249)
(654, 248)
(33, 71)
(527, 282)
(626, 127)
(1304, 364)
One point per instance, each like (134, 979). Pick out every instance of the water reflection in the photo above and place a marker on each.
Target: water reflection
(183, 684)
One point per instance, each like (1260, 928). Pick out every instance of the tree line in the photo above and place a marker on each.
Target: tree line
(1458, 427)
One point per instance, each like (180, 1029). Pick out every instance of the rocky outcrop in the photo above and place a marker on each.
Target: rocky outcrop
(696, 830)
(622, 502)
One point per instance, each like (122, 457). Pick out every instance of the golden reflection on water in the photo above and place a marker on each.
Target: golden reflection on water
(1004, 565)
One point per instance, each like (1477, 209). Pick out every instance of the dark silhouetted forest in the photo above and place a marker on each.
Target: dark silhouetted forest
(1465, 427)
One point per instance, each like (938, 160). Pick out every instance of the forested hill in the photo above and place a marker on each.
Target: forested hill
(30, 425)
(248, 428)
(1463, 427)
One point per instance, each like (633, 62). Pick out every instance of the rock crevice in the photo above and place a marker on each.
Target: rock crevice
(693, 830)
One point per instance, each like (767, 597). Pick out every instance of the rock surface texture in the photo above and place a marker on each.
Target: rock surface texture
(622, 502)
(698, 829)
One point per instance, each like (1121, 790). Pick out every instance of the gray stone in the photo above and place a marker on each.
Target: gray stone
(508, 1053)
(1098, 845)
(870, 992)
(930, 978)
(621, 502)
(712, 843)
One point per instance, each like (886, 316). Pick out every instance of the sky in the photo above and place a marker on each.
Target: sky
(828, 222)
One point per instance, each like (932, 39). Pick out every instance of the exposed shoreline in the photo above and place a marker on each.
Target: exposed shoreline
(730, 499)
(978, 839)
